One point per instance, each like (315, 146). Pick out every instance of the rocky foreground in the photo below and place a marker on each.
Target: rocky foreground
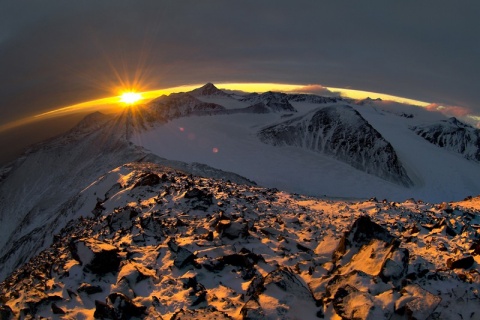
(160, 244)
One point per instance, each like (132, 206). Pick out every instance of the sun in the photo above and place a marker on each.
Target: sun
(131, 97)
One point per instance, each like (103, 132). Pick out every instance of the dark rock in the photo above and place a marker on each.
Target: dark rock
(200, 199)
(209, 236)
(57, 310)
(99, 208)
(183, 258)
(284, 285)
(475, 247)
(104, 311)
(255, 287)
(235, 230)
(148, 179)
(416, 302)
(244, 259)
(89, 289)
(222, 225)
(124, 308)
(252, 311)
(96, 256)
(202, 313)
(6, 313)
(462, 263)
(304, 249)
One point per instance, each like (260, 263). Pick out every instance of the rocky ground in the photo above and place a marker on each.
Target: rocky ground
(161, 244)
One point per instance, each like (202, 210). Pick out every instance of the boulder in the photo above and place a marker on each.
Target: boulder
(362, 232)
(96, 256)
(460, 263)
(147, 179)
(124, 308)
(281, 295)
(416, 302)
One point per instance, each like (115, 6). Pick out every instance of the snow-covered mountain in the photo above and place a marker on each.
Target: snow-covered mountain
(162, 244)
(340, 132)
(334, 146)
(163, 196)
(42, 191)
(453, 135)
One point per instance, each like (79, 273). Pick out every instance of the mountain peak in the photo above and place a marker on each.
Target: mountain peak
(208, 89)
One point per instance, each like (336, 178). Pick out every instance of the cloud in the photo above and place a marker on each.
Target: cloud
(317, 89)
(451, 111)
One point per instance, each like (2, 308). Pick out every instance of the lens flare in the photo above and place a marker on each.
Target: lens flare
(130, 97)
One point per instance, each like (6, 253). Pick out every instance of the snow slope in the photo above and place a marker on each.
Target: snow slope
(166, 245)
(41, 192)
(228, 141)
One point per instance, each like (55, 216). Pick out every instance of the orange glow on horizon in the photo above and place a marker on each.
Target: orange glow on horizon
(115, 103)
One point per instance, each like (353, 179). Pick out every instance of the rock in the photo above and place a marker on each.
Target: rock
(416, 302)
(475, 247)
(96, 256)
(357, 280)
(244, 259)
(396, 266)
(291, 296)
(89, 289)
(202, 313)
(349, 303)
(370, 258)
(362, 232)
(124, 308)
(235, 230)
(147, 179)
(222, 225)
(462, 263)
(252, 310)
(122, 219)
(103, 311)
(6, 312)
(57, 310)
(183, 258)
(200, 199)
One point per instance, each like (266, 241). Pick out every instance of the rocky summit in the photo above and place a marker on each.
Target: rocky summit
(162, 244)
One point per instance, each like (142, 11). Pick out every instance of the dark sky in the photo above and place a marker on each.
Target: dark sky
(57, 53)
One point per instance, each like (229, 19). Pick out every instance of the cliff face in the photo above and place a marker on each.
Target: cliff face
(340, 132)
(452, 135)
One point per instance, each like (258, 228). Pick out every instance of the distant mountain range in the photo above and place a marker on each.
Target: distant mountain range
(204, 141)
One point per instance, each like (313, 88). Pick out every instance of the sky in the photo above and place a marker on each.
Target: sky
(58, 53)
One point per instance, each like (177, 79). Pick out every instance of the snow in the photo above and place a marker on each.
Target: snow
(292, 236)
(197, 246)
(229, 142)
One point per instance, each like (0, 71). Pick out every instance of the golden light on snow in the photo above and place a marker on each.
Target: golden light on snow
(130, 98)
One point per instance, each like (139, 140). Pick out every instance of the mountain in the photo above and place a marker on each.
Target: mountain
(275, 101)
(42, 191)
(453, 135)
(179, 105)
(340, 132)
(367, 147)
(163, 244)
(208, 90)
(156, 213)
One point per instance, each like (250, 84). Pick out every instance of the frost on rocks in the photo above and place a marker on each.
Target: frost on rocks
(170, 245)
